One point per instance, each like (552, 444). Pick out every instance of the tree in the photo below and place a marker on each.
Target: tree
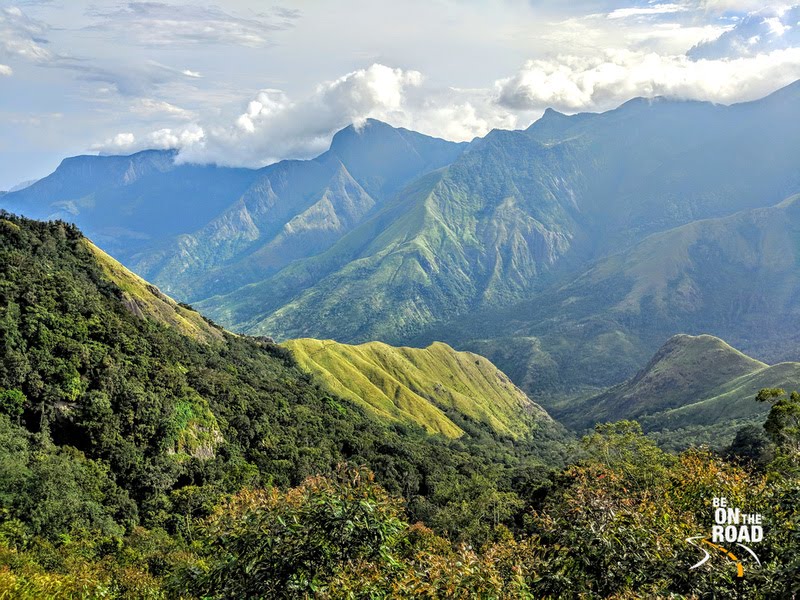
(269, 543)
(751, 445)
(12, 403)
(783, 428)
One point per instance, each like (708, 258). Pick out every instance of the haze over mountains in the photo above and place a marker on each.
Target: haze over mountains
(566, 253)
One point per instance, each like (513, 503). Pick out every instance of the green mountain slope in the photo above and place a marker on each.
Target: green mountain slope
(421, 386)
(146, 300)
(696, 389)
(520, 212)
(462, 237)
(295, 209)
(109, 386)
(737, 277)
(683, 369)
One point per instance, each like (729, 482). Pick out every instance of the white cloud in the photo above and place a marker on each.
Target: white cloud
(158, 108)
(120, 143)
(274, 126)
(572, 83)
(6, 70)
(162, 24)
(756, 33)
(163, 139)
(23, 37)
(647, 11)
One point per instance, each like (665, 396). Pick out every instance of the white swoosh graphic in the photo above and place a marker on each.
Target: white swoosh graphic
(753, 554)
(707, 555)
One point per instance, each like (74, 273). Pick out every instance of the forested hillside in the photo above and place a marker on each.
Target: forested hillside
(123, 409)
(147, 453)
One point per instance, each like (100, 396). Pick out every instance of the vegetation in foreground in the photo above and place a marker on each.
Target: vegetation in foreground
(613, 525)
(141, 462)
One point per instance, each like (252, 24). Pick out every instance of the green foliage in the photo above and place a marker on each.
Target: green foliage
(148, 463)
(275, 544)
(12, 402)
(783, 428)
(750, 446)
(130, 419)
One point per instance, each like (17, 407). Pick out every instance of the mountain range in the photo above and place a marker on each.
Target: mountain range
(566, 253)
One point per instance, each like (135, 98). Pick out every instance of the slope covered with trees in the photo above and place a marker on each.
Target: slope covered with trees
(122, 409)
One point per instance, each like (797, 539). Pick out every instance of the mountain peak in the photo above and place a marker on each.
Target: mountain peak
(382, 157)
(370, 129)
(685, 370)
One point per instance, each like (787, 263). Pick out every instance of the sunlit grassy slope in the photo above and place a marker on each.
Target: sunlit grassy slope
(144, 299)
(421, 386)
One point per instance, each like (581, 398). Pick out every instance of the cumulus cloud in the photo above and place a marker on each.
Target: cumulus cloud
(647, 11)
(6, 70)
(573, 83)
(756, 33)
(163, 139)
(274, 126)
(161, 24)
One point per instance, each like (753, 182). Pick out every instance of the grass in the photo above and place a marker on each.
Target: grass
(144, 298)
(420, 386)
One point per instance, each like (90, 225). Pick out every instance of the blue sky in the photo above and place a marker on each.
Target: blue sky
(248, 83)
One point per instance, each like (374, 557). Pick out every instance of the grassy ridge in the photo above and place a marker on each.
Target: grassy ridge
(696, 389)
(420, 386)
(144, 299)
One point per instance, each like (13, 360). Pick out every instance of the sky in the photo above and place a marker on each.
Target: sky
(247, 83)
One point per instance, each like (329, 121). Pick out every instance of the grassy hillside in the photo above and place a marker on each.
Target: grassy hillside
(421, 386)
(685, 369)
(696, 389)
(144, 299)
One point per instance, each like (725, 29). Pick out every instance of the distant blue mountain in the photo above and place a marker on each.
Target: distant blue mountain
(130, 203)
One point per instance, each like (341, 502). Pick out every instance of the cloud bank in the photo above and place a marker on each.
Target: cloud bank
(574, 83)
(187, 75)
(273, 126)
